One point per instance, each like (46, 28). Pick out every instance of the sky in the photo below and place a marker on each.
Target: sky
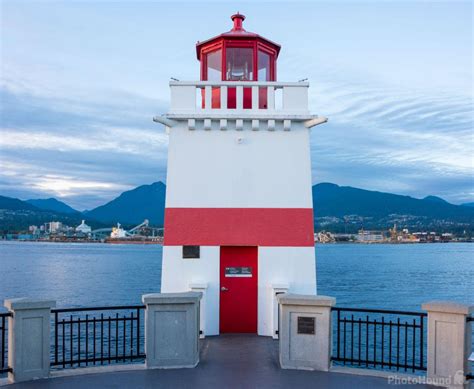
(81, 80)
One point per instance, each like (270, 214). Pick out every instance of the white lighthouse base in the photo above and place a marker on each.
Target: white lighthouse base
(292, 267)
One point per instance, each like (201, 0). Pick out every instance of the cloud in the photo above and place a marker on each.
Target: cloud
(378, 139)
(84, 152)
(76, 108)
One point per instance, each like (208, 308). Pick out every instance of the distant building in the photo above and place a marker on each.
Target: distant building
(53, 227)
(370, 236)
(34, 230)
(324, 237)
(83, 228)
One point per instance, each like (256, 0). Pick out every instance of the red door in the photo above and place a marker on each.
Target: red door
(238, 289)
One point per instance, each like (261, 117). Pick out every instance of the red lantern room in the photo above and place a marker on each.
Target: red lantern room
(238, 55)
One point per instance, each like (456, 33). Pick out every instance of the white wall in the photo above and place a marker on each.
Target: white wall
(265, 169)
(178, 273)
(294, 266)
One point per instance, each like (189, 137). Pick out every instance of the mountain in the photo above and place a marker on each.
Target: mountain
(435, 199)
(468, 205)
(343, 208)
(17, 215)
(12, 204)
(134, 206)
(52, 204)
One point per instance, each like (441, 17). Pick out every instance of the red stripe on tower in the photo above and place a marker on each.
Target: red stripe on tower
(288, 227)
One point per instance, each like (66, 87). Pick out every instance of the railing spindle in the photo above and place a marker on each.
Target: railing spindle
(383, 339)
(116, 336)
(360, 336)
(79, 341)
(87, 339)
(271, 98)
(64, 344)
(223, 97)
(131, 336)
(55, 337)
(367, 342)
(352, 336)
(398, 343)
(413, 345)
(102, 339)
(375, 342)
(240, 97)
(390, 346)
(138, 332)
(255, 100)
(406, 344)
(422, 345)
(109, 338)
(94, 336)
(71, 354)
(344, 341)
(338, 334)
(124, 341)
(3, 342)
(208, 97)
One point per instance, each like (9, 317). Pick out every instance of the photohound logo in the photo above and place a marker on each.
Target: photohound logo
(459, 379)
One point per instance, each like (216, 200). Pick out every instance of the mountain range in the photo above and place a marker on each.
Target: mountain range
(52, 204)
(344, 208)
(17, 215)
(336, 208)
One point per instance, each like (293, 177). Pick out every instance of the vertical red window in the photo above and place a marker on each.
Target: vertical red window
(264, 74)
(239, 64)
(213, 73)
(239, 68)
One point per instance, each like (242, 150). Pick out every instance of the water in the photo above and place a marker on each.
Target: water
(372, 276)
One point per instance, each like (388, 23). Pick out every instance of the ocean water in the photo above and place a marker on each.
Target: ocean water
(370, 276)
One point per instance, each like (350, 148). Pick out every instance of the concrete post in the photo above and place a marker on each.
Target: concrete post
(172, 329)
(28, 338)
(449, 342)
(305, 331)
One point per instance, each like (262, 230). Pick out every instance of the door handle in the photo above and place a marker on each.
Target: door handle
(224, 289)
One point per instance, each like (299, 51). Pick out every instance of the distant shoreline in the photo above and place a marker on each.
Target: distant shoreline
(161, 244)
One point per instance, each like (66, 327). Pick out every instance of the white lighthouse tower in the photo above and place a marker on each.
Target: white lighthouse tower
(239, 214)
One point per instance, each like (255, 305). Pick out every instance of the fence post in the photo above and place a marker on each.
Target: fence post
(172, 329)
(28, 338)
(449, 342)
(305, 331)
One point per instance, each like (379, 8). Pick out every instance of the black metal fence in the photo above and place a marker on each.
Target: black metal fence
(381, 339)
(4, 342)
(470, 376)
(97, 336)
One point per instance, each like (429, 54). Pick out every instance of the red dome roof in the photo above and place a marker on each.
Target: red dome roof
(237, 33)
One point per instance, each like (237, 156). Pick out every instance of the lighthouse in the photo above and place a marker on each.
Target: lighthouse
(239, 214)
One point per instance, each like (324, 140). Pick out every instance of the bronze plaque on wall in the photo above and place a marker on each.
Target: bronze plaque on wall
(306, 325)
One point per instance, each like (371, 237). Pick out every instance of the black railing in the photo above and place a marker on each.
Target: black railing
(380, 339)
(98, 335)
(470, 376)
(4, 342)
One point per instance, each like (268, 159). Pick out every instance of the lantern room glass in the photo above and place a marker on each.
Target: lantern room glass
(239, 64)
(214, 66)
(264, 61)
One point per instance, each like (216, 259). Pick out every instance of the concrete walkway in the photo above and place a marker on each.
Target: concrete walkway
(227, 361)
